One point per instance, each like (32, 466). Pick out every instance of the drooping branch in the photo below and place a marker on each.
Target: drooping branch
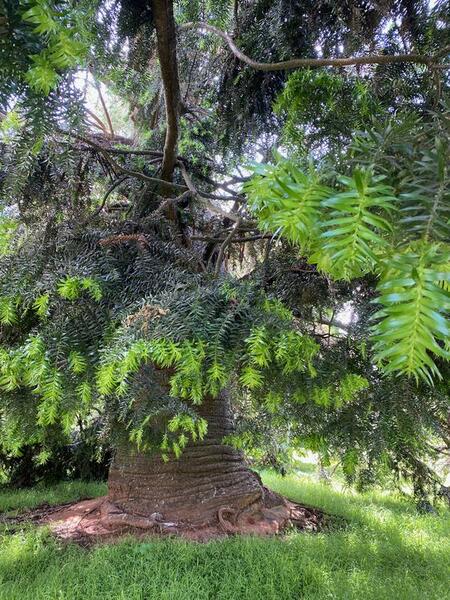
(167, 53)
(105, 197)
(297, 63)
(105, 153)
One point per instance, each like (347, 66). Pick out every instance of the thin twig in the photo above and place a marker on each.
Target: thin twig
(224, 246)
(238, 240)
(105, 110)
(105, 198)
(99, 122)
(169, 202)
(202, 197)
(106, 154)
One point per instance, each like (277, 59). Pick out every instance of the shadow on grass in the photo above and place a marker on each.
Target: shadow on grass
(385, 552)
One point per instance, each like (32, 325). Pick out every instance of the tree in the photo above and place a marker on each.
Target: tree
(126, 307)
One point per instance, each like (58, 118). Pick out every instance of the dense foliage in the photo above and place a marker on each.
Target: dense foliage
(111, 277)
(389, 217)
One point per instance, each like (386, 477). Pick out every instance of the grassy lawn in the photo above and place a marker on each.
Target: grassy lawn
(18, 500)
(387, 551)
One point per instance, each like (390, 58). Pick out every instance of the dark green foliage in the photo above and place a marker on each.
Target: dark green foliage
(321, 110)
(274, 31)
(381, 428)
(83, 454)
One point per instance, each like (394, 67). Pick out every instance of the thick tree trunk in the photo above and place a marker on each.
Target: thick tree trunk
(209, 491)
(208, 477)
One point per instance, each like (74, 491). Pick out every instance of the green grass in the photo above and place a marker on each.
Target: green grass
(387, 551)
(12, 500)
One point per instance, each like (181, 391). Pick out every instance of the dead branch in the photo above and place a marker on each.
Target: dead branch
(106, 196)
(118, 240)
(202, 198)
(168, 202)
(97, 120)
(235, 240)
(105, 153)
(105, 110)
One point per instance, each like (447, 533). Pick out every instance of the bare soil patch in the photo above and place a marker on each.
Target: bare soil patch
(95, 520)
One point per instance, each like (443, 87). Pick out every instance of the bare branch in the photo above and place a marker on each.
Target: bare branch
(333, 323)
(137, 174)
(202, 198)
(168, 202)
(105, 197)
(297, 63)
(224, 246)
(99, 122)
(105, 110)
(105, 152)
(239, 240)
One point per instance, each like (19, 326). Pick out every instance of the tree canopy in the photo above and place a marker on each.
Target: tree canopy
(260, 202)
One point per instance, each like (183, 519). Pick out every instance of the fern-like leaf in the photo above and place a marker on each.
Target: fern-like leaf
(354, 235)
(414, 323)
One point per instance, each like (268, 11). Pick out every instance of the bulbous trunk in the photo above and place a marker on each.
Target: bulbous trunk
(209, 476)
(209, 491)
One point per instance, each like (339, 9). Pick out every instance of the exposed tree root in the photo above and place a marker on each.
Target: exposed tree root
(91, 521)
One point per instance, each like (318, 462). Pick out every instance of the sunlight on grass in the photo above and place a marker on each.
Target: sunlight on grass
(385, 552)
(58, 494)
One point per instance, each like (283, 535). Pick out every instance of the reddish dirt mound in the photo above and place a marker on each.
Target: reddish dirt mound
(91, 521)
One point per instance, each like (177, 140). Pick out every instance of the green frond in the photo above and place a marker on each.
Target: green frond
(425, 201)
(354, 233)
(70, 288)
(287, 201)
(273, 401)
(106, 378)
(41, 305)
(42, 16)
(413, 321)
(51, 393)
(77, 362)
(251, 378)
(9, 310)
(84, 392)
(295, 352)
(258, 345)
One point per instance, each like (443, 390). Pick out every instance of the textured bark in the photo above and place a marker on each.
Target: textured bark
(167, 54)
(208, 477)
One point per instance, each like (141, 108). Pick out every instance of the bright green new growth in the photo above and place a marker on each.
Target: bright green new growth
(203, 367)
(207, 338)
(63, 47)
(414, 318)
(361, 225)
